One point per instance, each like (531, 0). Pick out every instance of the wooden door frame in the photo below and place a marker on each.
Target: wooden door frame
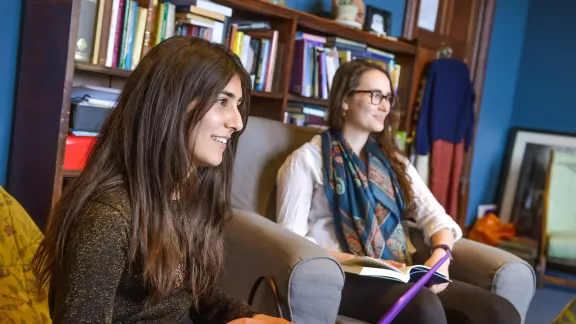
(478, 72)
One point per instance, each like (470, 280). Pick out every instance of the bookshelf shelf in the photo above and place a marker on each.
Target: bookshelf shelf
(81, 66)
(70, 173)
(88, 67)
(260, 7)
(266, 94)
(308, 100)
(329, 27)
(321, 25)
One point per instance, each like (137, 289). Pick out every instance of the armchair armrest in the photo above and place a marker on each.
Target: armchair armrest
(496, 270)
(486, 267)
(308, 280)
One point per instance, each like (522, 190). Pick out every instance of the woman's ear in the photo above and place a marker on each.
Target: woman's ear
(345, 106)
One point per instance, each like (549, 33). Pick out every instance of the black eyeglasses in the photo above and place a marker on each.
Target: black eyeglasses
(376, 97)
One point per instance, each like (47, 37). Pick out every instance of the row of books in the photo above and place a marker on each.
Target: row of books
(316, 59)
(256, 44)
(118, 33)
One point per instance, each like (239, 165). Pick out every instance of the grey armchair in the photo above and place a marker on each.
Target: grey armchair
(308, 281)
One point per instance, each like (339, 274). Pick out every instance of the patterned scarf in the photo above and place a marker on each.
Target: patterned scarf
(367, 211)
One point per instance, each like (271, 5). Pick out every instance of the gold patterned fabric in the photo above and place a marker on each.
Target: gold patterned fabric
(568, 314)
(19, 240)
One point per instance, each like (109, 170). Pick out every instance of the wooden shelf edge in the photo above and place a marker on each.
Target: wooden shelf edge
(70, 173)
(308, 100)
(264, 8)
(101, 69)
(266, 94)
(328, 26)
(81, 66)
(321, 25)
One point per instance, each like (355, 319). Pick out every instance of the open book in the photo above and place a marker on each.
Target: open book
(366, 266)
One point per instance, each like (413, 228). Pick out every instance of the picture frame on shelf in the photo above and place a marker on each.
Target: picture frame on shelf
(525, 169)
(378, 21)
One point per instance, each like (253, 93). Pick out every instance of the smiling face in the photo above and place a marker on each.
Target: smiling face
(360, 113)
(209, 139)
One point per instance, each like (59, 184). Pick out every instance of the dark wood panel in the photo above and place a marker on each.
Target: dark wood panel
(41, 104)
(461, 14)
(409, 78)
(457, 25)
(254, 6)
(486, 17)
(102, 69)
(71, 173)
(284, 54)
(308, 100)
(262, 107)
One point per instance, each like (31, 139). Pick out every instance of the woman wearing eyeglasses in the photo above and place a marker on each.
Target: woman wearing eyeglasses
(349, 189)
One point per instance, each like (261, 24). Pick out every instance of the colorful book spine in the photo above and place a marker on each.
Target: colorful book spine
(130, 36)
(122, 28)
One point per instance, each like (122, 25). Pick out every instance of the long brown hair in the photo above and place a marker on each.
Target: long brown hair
(345, 80)
(143, 148)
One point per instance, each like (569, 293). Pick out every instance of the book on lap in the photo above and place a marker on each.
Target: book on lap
(367, 266)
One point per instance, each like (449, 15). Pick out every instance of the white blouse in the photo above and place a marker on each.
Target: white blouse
(302, 205)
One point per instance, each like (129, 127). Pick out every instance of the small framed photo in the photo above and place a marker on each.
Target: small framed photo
(378, 21)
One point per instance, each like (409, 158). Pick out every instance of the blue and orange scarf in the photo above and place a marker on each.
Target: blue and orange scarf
(367, 210)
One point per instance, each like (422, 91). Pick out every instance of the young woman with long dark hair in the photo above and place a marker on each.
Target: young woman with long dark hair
(138, 236)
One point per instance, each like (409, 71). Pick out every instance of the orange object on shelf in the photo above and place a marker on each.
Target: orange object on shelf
(490, 230)
(76, 152)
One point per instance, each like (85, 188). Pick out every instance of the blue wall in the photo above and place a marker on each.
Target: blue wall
(396, 7)
(9, 34)
(546, 90)
(497, 105)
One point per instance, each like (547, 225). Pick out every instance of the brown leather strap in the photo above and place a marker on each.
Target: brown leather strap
(274, 292)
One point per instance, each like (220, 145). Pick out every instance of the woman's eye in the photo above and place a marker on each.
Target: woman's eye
(223, 101)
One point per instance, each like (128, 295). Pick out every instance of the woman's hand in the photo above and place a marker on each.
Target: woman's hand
(260, 319)
(270, 320)
(434, 258)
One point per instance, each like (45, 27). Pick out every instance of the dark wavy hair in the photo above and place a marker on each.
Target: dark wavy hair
(143, 148)
(346, 80)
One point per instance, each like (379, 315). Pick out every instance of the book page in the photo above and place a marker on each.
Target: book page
(417, 271)
(364, 261)
(376, 272)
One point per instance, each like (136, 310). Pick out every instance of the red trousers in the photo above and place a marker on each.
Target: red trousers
(445, 168)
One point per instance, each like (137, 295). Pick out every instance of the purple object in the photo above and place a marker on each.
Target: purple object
(405, 299)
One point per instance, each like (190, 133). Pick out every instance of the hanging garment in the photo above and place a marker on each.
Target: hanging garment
(445, 127)
(445, 169)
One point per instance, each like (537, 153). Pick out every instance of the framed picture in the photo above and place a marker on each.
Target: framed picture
(377, 21)
(524, 177)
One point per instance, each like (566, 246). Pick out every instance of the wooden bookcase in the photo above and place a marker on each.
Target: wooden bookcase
(47, 72)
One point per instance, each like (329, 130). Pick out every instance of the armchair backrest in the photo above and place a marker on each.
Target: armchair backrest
(262, 149)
